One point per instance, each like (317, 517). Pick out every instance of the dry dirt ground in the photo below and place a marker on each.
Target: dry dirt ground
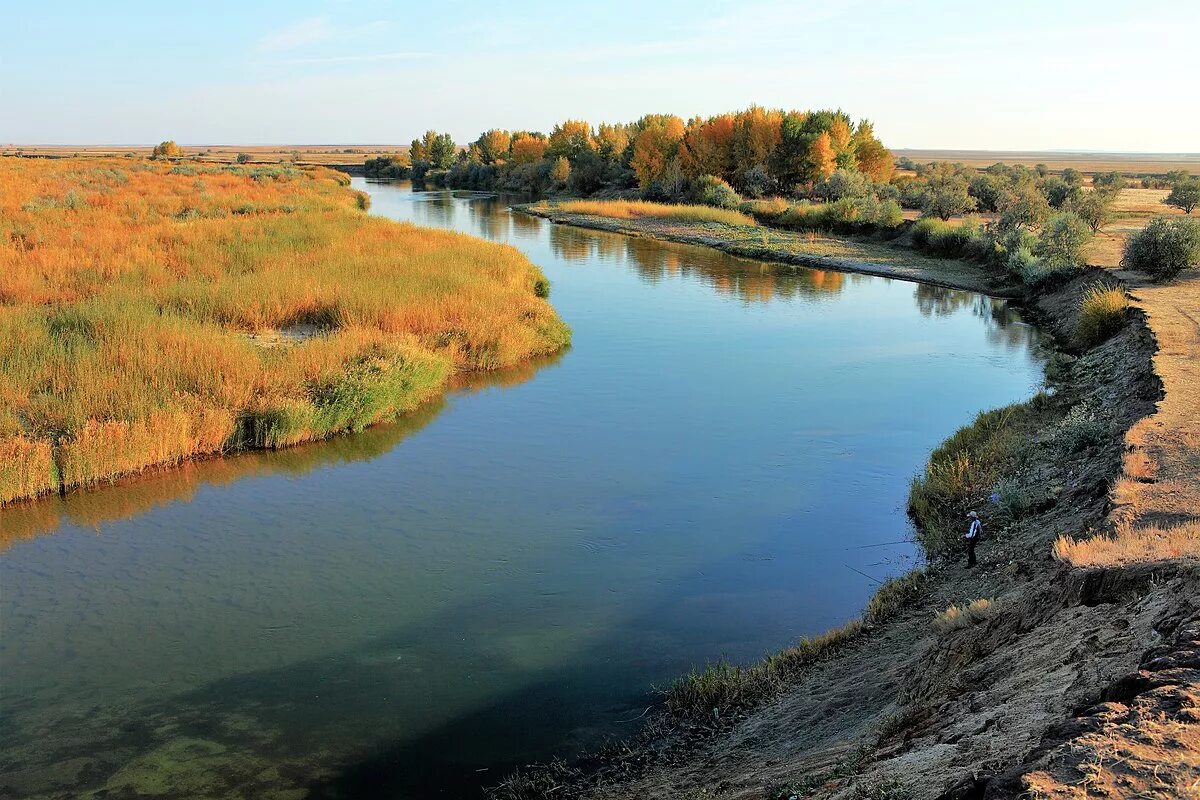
(1081, 683)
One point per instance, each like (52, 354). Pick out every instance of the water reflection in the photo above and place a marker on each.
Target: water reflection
(128, 497)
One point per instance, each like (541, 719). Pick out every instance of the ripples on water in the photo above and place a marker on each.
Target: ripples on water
(504, 575)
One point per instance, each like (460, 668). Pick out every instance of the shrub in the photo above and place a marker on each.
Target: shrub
(757, 182)
(242, 158)
(712, 191)
(947, 196)
(1080, 430)
(1011, 499)
(1094, 208)
(1164, 248)
(843, 183)
(1101, 314)
(1185, 195)
(1112, 182)
(1062, 240)
(956, 617)
(945, 240)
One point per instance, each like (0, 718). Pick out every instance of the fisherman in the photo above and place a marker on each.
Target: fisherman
(972, 536)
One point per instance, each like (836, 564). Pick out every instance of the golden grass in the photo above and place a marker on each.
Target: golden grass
(955, 617)
(1102, 312)
(131, 293)
(637, 209)
(1132, 545)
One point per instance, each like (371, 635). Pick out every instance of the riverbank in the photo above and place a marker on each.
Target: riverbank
(786, 248)
(1069, 675)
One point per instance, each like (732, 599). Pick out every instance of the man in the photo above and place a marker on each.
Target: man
(972, 536)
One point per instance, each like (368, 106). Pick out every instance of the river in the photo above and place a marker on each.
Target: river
(507, 574)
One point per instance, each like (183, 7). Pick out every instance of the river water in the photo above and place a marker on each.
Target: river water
(507, 574)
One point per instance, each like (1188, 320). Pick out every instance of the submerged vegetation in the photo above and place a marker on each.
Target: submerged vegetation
(149, 313)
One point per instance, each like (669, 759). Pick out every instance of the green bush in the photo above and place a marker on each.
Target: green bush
(1061, 242)
(947, 240)
(1164, 248)
(712, 191)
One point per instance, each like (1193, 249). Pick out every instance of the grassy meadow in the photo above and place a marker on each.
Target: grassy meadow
(642, 209)
(155, 310)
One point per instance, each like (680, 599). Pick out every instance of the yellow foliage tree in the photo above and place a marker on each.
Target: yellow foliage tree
(823, 156)
(655, 147)
(167, 149)
(526, 148)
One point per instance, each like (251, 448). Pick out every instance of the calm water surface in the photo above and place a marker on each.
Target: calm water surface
(505, 575)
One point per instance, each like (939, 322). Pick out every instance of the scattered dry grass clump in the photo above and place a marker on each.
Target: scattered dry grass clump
(1102, 312)
(955, 617)
(1130, 545)
(134, 295)
(636, 209)
(720, 688)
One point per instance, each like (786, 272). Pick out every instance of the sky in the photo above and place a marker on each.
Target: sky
(1003, 75)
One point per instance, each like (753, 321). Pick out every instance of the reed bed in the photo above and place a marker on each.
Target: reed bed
(135, 297)
(638, 209)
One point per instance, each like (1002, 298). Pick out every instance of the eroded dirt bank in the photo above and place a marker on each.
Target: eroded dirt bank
(1075, 681)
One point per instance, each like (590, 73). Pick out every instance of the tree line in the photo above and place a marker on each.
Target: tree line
(757, 151)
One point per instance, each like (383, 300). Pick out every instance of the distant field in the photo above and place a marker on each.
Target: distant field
(308, 153)
(1129, 163)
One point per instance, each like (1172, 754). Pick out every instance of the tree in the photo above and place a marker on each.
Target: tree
(1185, 194)
(242, 158)
(560, 171)
(870, 156)
(1094, 208)
(946, 196)
(442, 151)
(527, 148)
(1164, 248)
(843, 183)
(655, 147)
(756, 134)
(1059, 191)
(493, 146)
(1109, 182)
(1023, 206)
(1062, 240)
(987, 189)
(707, 147)
(167, 149)
(612, 141)
(570, 139)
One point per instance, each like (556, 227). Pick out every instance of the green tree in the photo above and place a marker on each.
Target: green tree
(1062, 240)
(946, 195)
(1109, 182)
(1094, 208)
(1164, 248)
(242, 158)
(1185, 194)
(442, 151)
(1023, 207)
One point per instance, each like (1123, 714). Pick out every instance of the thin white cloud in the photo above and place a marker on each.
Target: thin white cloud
(298, 34)
(350, 59)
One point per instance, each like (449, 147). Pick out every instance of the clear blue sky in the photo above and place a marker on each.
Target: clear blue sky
(1001, 75)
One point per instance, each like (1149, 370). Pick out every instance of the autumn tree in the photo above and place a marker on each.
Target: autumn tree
(870, 156)
(756, 134)
(570, 139)
(707, 147)
(527, 148)
(493, 146)
(167, 149)
(612, 141)
(560, 171)
(655, 147)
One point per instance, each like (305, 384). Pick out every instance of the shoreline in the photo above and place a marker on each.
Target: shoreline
(790, 249)
(882, 710)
